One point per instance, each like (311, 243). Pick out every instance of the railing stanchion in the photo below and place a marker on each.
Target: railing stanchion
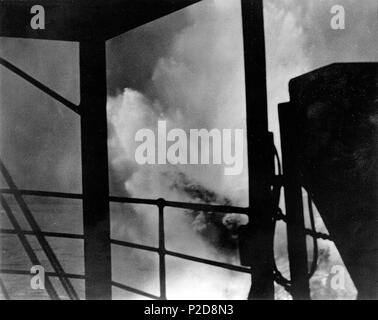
(94, 155)
(259, 233)
(162, 272)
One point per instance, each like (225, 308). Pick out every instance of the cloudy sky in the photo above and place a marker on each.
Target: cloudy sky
(186, 68)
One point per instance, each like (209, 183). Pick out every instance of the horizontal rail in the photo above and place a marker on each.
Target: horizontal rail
(49, 274)
(210, 262)
(46, 194)
(133, 290)
(45, 245)
(183, 205)
(139, 247)
(161, 204)
(318, 235)
(134, 245)
(155, 202)
(27, 246)
(309, 232)
(39, 85)
(80, 277)
(182, 256)
(45, 234)
(152, 202)
(207, 207)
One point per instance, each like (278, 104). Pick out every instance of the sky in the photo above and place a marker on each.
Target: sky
(189, 62)
(187, 69)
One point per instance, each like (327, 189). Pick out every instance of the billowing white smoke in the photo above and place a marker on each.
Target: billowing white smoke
(201, 85)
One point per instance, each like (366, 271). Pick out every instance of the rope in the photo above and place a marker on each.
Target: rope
(280, 216)
(315, 254)
(278, 276)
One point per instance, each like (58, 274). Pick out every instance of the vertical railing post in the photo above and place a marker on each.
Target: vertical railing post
(162, 271)
(296, 236)
(97, 250)
(260, 153)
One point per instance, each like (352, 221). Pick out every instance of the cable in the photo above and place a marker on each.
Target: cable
(279, 216)
(276, 195)
(315, 254)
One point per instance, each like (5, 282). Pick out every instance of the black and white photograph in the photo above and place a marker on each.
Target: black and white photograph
(188, 150)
